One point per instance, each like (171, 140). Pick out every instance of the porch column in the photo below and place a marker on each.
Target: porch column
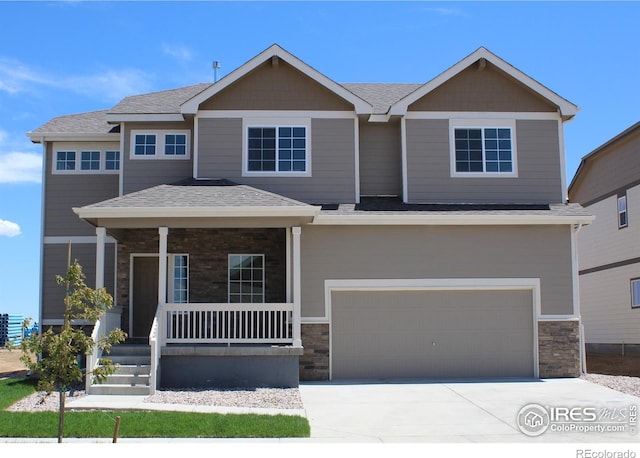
(101, 237)
(162, 265)
(297, 336)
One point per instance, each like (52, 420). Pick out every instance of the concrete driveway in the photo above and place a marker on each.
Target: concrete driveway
(468, 411)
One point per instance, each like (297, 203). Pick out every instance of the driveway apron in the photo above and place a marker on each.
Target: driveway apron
(452, 411)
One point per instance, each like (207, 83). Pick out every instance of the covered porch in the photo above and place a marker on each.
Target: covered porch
(208, 273)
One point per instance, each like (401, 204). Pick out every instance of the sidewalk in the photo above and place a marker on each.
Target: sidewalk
(121, 402)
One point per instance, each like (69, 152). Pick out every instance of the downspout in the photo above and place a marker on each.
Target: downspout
(576, 297)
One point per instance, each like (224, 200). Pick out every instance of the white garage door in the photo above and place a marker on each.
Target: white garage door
(431, 334)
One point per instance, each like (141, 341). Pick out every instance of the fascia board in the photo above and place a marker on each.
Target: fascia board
(60, 137)
(195, 212)
(567, 109)
(191, 106)
(454, 220)
(142, 117)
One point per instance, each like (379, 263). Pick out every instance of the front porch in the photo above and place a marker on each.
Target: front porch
(215, 290)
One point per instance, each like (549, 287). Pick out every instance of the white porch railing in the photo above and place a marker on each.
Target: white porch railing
(101, 328)
(227, 323)
(154, 343)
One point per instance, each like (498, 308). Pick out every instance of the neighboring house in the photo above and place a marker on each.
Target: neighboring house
(607, 183)
(277, 225)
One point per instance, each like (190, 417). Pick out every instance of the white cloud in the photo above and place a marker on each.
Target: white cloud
(108, 85)
(20, 167)
(177, 51)
(9, 228)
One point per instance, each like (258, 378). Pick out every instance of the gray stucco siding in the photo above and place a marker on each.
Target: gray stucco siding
(429, 166)
(433, 252)
(332, 160)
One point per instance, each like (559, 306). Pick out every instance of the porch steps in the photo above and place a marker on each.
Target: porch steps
(132, 375)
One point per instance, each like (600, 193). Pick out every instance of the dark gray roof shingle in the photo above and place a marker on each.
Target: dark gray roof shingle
(93, 122)
(160, 102)
(192, 193)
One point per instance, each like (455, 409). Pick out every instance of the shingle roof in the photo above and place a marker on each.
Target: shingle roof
(201, 194)
(161, 102)
(93, 122)
(394, 206)
(381, 95)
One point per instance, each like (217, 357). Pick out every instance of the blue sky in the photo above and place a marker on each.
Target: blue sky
(68, 57)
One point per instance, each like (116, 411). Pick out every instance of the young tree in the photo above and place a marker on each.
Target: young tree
(57, 367)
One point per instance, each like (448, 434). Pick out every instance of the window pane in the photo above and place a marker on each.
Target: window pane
(635, 293)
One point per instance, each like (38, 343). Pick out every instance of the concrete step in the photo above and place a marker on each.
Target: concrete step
(130, 350)
(128, 379)
(116, 389)
(133, 369)
(132, 360)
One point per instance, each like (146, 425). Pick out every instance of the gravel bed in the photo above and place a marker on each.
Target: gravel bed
(624, 384)
(275, 398)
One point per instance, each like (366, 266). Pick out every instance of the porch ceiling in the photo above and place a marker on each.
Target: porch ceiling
(198, 203)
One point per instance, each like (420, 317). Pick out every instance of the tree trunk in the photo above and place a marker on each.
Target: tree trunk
(63, 397)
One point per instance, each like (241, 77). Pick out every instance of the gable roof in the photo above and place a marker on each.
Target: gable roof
(567, 109)
(275, 51)
(599, 151)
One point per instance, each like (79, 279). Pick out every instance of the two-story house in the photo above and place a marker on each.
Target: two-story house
(278, 225)
(607, 183)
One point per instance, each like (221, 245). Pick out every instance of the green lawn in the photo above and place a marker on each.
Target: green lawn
(138, 423)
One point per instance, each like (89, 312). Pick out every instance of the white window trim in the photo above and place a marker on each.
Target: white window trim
(634, 306)
(482, 124)
(626, 211)
(275, 122)
(264, 270)
(78, 161)
(160, 143)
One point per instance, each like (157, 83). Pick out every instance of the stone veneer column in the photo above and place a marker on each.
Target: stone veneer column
(314, 362)
(559, 349)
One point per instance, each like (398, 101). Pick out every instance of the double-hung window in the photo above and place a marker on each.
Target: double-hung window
(246, 278)
(277, 149)
(483, 150)
(175, 144)
(622, 212)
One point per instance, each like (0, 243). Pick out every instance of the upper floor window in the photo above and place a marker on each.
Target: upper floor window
(175, 144)
(160, 145)
(622, 212)
(65, 160)
(112, 160)
(145, 145)
(479, 150)
(277, 149)
(88, 161)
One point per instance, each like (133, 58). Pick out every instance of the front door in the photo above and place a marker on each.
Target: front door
(144, 294)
